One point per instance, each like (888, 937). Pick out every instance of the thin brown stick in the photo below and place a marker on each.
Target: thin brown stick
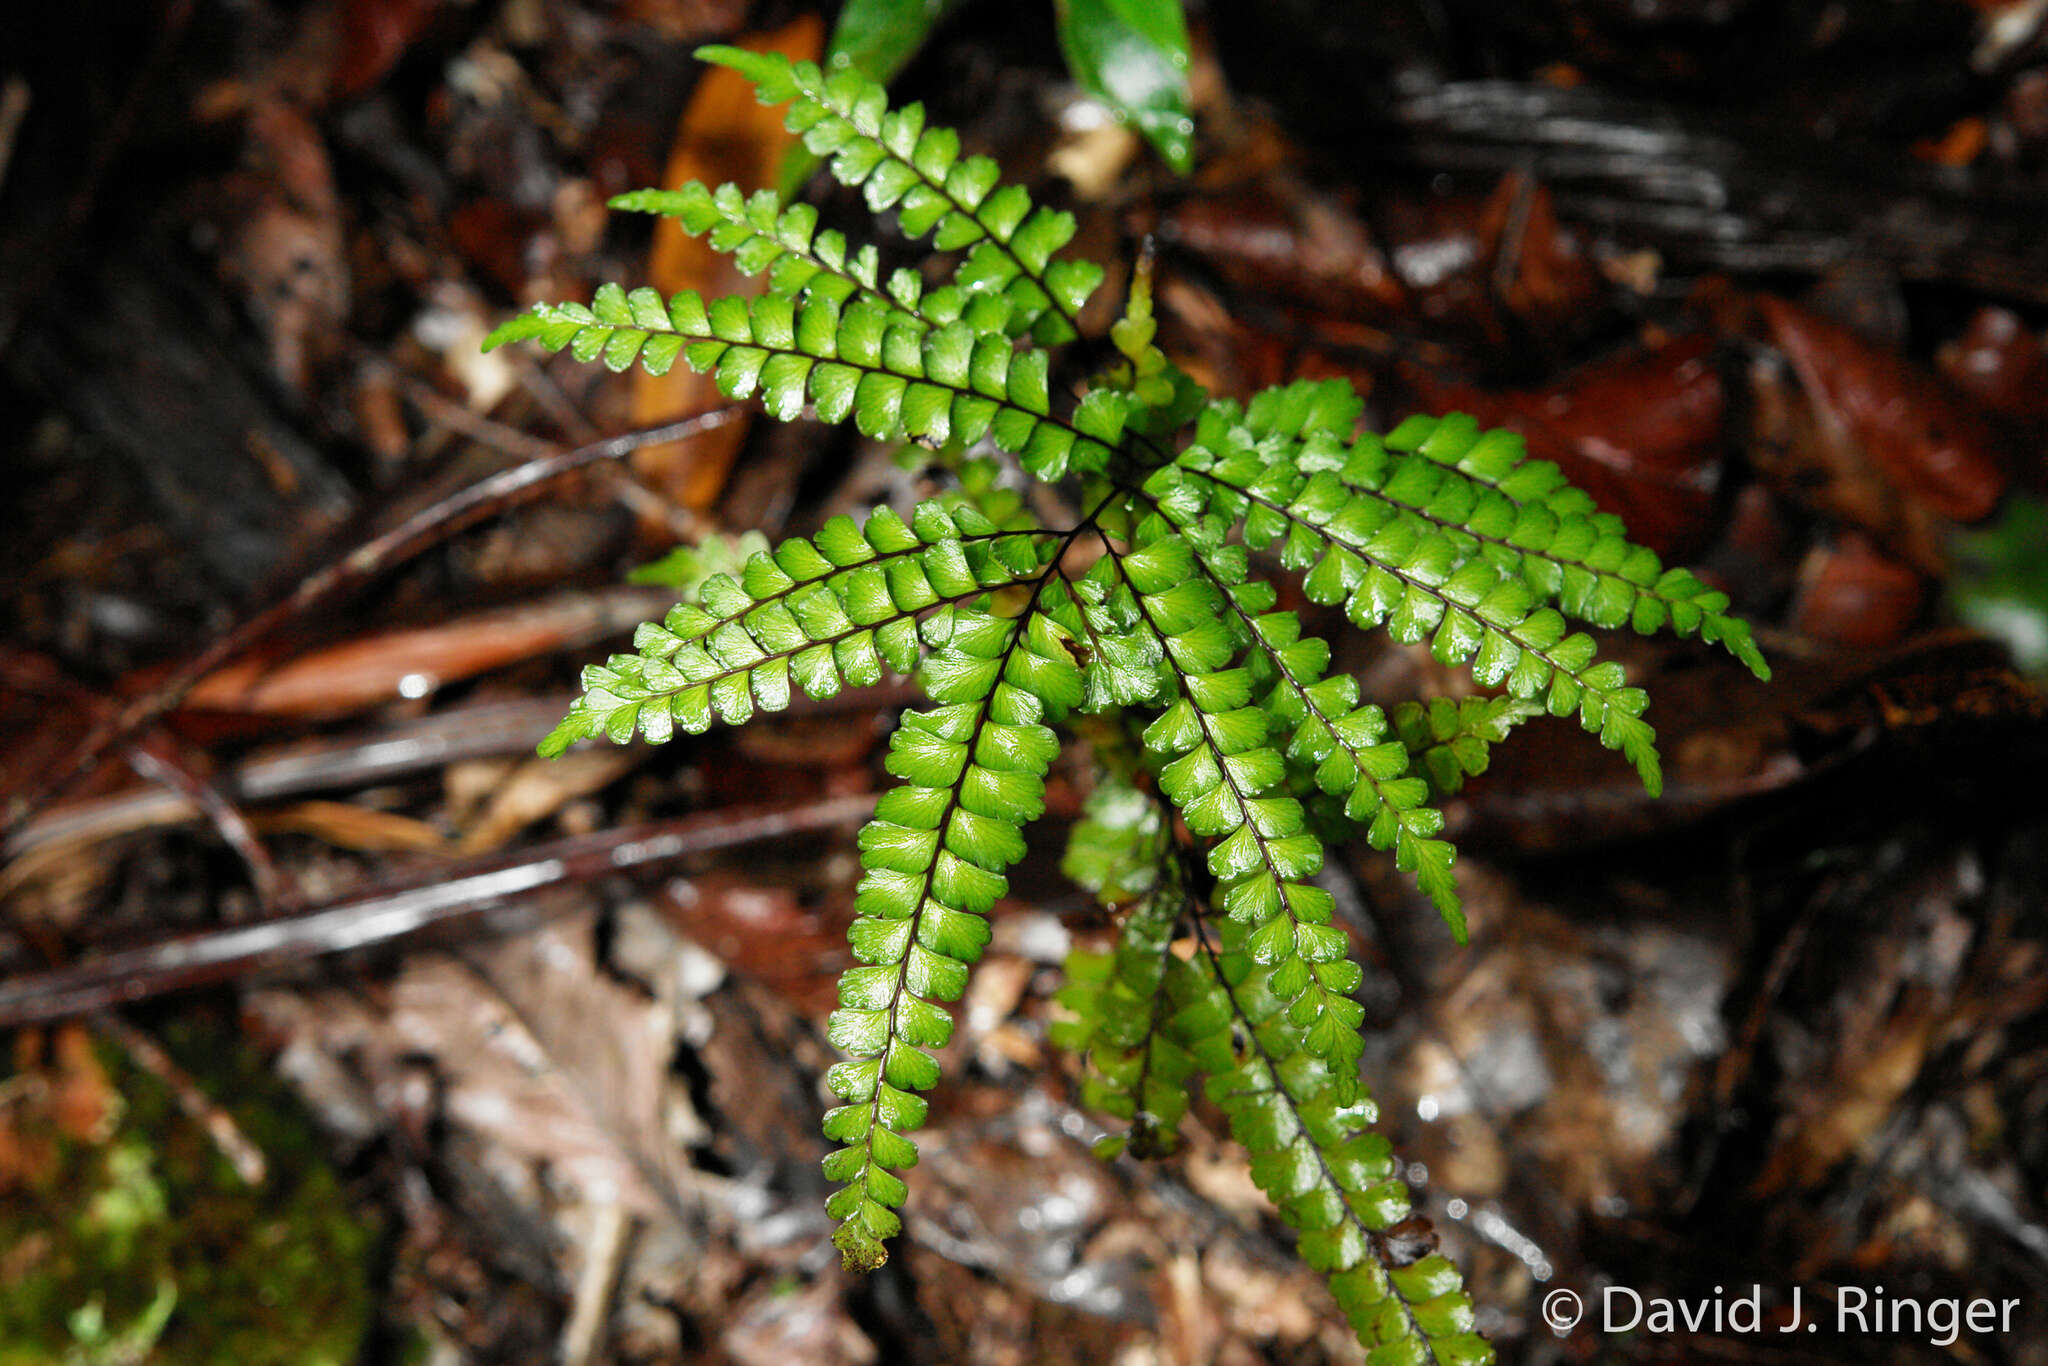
(244, 1156)
(385, 753)
(682, 523)
(157, 759)
(427, 527)
(438, 895)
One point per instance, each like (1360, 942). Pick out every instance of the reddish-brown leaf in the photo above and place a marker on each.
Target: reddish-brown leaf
(1642, 432)
(374, 35)
(370, 670)
(762, 932)
(1852, 593)
(2001, 362)
(1275, 237)
(1928, 443)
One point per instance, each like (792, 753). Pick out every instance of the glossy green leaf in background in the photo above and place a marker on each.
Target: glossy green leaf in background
(1133, 55)
(2001, 582)
(1130, 54)
(879, 37)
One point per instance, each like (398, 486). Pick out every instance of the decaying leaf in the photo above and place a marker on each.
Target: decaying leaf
(725, 135)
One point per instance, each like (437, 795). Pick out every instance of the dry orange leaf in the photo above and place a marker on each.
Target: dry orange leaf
(725, 136)
(348, 826)
(371, 670)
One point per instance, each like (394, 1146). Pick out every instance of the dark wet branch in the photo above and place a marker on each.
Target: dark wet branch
(436, 895)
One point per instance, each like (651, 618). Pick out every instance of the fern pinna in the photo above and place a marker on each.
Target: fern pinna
(1229, 751)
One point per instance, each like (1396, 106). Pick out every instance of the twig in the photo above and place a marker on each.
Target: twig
(156, 759)
(604, 1253)
(438, 895)
(475, 730)
(427, 527)
(244, 1156)
(683, 523)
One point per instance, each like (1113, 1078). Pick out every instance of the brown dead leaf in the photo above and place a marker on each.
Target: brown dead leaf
(1278, 236)
(559, 1070)
(540, 787)
(374, 36)
(282, 243)
(726, 135)
(58, 1090)
(2001, 362)
(1260, 1302)
(776, 1325)
(1566, 1044)
(1541, 271)
(1851, 593)
(1641, 431)
(27, 1155)
(686, 21)
(82, 1098)
(761, 932)
(1932, 447)
(1808, 460)
(1859, 1099)
(348, 826)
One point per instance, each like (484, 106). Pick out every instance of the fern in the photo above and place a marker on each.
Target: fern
(1229, 750)
(1315, 1156)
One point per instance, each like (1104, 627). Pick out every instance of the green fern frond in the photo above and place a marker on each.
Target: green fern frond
(1342, 743)
(918, 172)
(1524, 514)
(1125, 665)
(1234, 752)
(1449, 741)
(896, 380)
(973, 774)
(818, 613)
(1315, 1156)
(1118, 849)
(1423, 583)
(1225, 778)
(1116, 1002)
(1138, 1071)
(760, 234)
(1167, 397)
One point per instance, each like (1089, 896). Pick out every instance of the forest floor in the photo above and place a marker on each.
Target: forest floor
(342, 1028)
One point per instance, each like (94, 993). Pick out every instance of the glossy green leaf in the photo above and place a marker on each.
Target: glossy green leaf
(1133, 55)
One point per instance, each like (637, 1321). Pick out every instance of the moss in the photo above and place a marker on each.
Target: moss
(143, 1243)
